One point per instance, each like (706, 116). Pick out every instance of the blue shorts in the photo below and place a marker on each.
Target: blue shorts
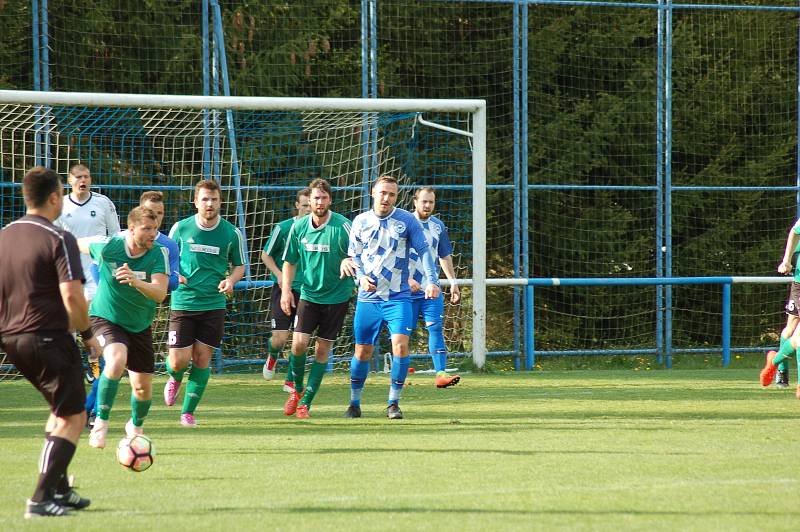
(370, 317)
(431, 310)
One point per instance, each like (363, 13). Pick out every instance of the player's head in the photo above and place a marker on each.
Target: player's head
(153, 200)
(302, 204)
(43, 192)
(424, 202)
(320, 199)
(384, 195)
(207, 199)
(80, 179)
(143, 227)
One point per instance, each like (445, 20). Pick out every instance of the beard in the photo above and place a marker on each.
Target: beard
(144, 243)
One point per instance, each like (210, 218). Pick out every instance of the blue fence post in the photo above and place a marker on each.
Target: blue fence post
(660, 245)
(206, 92)
(668, 179)
(726, 324)
(517, 238)
(530, 351)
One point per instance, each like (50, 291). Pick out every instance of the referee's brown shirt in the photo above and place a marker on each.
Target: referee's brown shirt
(35, 256)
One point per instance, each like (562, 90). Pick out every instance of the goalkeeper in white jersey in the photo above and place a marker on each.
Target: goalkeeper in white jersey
(87, 213)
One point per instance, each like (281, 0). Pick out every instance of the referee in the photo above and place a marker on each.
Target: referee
(41, 302)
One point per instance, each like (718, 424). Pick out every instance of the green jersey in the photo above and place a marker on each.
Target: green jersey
(275, 246)
(121, 303)
(205, 255)
(318, 252)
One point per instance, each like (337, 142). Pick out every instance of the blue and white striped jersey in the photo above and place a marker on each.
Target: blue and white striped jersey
(380, 248)
(439, 242)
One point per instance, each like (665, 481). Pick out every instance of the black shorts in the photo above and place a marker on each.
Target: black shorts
(141, 357)
(280, 321)
(187, 327)
(329, 318)
(51, 361)
(794, 300)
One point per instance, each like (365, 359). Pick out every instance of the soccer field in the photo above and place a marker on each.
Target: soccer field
(577, 450)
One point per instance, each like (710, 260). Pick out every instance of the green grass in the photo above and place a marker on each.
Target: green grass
(578, 450)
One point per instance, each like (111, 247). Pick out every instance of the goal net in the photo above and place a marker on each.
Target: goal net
(261, 151)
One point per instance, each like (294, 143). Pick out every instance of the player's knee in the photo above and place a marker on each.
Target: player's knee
(434, 326)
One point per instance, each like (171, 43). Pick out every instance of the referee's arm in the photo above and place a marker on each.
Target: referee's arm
(75, 303)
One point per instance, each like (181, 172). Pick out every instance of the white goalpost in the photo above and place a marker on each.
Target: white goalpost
(261, 151)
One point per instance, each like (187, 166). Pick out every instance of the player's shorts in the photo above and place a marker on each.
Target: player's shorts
(51, 361)
(794, 300)
(281, 321)
(187, 327)
(329, 318)
(431, 310)
(141, 358)
(370, 317)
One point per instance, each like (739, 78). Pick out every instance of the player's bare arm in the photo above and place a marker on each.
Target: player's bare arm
(156, 289)
(226, 285)
(791, 242)
(367, 284)
(78, 312)
(414, 286)
(450, 272)
(287, 297)
(272, 266)
(347, 268)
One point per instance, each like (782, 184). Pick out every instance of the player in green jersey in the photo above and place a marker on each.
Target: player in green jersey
(790, 336)
(212, 262)
(272, 257)
(134, 274)
(317, 246)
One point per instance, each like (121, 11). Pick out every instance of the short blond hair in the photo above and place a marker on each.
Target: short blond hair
(140, 213)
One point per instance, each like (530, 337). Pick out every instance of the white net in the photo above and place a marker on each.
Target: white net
(261, 159)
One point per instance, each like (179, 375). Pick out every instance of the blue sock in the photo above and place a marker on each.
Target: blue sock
(358, 375)
(436, 346)
(398, 376)
(91, 398)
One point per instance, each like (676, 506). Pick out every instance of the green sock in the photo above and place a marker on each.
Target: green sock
(198, 378)
(785, 350)
(783, 365)
(314, 381)
(139, 410)
(177, 375)
(106, 393)
(274, 352)
(298, 366)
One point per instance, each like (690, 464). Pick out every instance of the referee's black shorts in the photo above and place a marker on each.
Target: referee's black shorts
(51, 361)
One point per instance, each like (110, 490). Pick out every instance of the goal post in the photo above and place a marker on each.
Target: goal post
(188, 137)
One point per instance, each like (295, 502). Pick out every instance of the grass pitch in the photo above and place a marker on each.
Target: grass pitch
(577, 450)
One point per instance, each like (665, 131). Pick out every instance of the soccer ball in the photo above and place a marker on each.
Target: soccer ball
(136, 453)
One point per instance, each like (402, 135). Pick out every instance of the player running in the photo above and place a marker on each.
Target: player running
(133, 280)
(317, 246)
(209, 246)
(790, 343)
(432, 310)
(153, 200)
(380, 242)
